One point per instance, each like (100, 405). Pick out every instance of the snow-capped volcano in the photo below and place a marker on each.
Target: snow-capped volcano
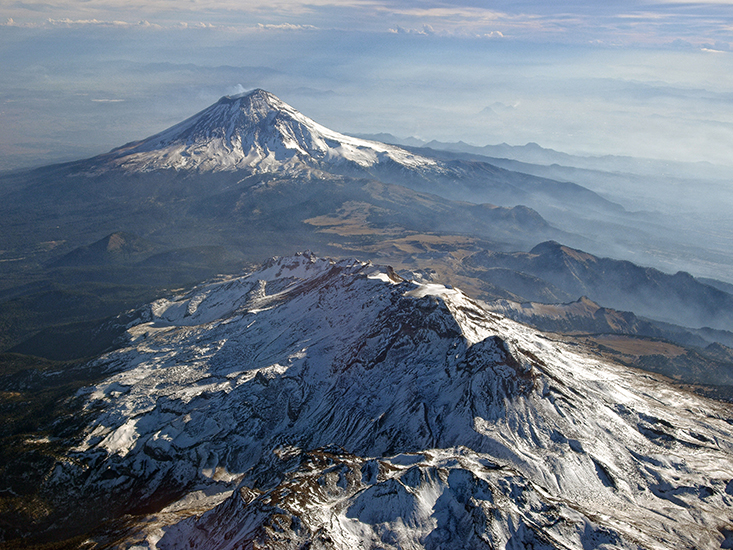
(254, 131)
(326, 404)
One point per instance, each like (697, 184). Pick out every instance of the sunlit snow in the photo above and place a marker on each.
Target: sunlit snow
(430, 407)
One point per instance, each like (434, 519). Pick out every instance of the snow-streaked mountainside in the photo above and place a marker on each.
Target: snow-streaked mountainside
(258, 132)
(324, 404)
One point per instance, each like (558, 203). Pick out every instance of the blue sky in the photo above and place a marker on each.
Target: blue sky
(638, 78)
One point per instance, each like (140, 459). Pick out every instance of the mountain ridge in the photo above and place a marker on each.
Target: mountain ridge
(339, 397)
(561, 272)
(534, 154)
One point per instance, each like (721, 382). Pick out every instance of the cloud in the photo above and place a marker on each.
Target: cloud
(73, 23)
(425, 31)
(451, 21)
(648, 15)
(625, 22)
(428, 30)
(235, 90)
(33, 7)
(498, 108)
(196, 25)
(286, 27)
(452, 13)
(87, 22)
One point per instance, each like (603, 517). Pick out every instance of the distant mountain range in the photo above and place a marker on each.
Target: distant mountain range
(250, 176)
(676, 214)
(238, 149)
(551, 272)
(532, 153)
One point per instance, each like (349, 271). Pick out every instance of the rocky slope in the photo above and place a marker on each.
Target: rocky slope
(336, 405)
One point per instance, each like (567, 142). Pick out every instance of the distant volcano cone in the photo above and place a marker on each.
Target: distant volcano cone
(255, 131)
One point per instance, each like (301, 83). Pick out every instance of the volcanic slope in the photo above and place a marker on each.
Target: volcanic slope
(252, 163)
(259, 133)
(254, 130)
(336, 405)
(245, 141)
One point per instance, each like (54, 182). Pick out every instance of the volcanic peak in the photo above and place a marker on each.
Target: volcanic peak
(258, 132)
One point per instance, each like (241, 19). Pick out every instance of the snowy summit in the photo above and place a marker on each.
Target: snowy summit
(255, 131)
(323, 404)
